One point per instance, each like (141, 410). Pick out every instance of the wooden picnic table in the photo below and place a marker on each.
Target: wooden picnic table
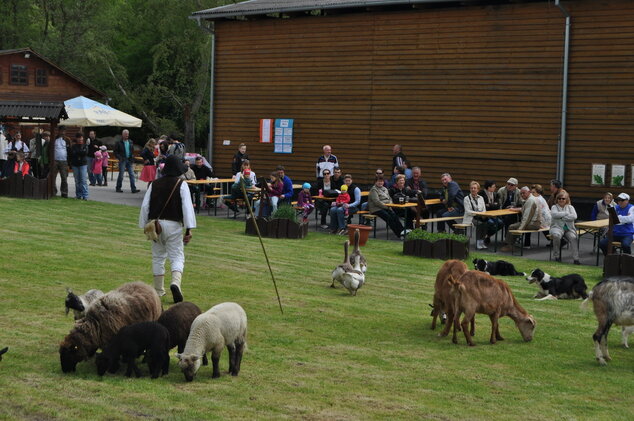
(495, 214)
(429, 202)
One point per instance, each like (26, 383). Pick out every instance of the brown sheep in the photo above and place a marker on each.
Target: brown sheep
(443, 300)
(130, 303)
(478, 292)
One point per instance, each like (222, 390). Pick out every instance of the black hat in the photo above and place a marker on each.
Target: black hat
(173, 167)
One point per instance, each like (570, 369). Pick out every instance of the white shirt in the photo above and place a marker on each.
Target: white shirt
(19, 145)
(189, 216)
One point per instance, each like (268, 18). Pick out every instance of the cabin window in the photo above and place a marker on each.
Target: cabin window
(41, 77)
(19, 75)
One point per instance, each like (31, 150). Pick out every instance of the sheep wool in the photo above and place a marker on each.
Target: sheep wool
(224, 325)
(130, 303)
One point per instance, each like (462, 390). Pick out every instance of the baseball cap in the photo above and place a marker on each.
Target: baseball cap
(344, 188)
(512, 181)
(623, 196)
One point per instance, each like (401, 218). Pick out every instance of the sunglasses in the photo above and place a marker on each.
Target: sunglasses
(561, 198)
(326, 173)
(379, 173)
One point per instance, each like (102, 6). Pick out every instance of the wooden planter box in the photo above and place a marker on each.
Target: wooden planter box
(277, 228)
(441, 249)
(618, 265)
(26, 187)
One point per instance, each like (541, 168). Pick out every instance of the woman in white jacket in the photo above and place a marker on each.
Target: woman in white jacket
(473, 202)
(563, 224)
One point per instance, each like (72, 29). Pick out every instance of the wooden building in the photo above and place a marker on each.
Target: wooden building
(481, 89)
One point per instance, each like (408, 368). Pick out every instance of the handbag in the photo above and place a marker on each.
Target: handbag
(153, 228)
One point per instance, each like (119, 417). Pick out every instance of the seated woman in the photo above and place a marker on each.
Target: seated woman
(274, 190)
(563, 225)
(401, 194)
(475, 203)
(600, 210)
(324, 185)
(377, 199)
(491, 202)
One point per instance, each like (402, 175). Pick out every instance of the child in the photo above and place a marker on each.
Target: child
(305, 202)
(343, 198)
(97, 167)
(104, 163)
(236, 189)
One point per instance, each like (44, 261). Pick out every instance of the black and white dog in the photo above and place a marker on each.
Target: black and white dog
(551, 288)
(500, 268)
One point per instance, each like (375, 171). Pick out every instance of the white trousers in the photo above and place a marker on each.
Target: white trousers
(557, 233)
(168, 246)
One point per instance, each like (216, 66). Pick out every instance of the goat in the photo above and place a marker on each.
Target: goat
(443, 300)
(80, 303)
(613, 302)
(478, 292)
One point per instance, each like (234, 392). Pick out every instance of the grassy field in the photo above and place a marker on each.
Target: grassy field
(329, 356)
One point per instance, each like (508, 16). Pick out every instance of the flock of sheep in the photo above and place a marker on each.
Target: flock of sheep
(128, 322)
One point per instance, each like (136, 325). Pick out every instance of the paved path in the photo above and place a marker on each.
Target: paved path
(541, 252)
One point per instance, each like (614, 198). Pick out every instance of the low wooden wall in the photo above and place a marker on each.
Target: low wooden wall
(26, 187)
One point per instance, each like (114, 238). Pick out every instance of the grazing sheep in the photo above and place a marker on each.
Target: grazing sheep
(351, 277)
(356, 252)
(613, 302)
(224, 324)
(478, 292)
(443, 300)
(130, 343)
(79, 303)
(178, 321)
(3, 351)
(130, 303)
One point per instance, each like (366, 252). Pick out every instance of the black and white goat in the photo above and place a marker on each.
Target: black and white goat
(613, 301)
(80, 303)
(551, 288)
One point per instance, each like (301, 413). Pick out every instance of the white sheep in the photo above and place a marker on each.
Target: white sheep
(80, 303)
(223, 325)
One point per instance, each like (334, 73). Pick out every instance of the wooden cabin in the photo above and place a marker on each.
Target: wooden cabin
(480, 89)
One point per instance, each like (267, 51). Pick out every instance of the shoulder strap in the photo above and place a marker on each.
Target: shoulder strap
(178, 183)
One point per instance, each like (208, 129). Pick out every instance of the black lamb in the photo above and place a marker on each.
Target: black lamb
(130, 343)
(178, 321)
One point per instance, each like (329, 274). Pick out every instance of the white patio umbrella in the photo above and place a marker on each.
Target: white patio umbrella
(85, 112)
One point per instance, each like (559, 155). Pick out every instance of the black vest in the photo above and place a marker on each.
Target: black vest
(161, 189)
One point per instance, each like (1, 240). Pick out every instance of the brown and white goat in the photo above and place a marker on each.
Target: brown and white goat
(478, 292)
(613, 301)
(443, 300)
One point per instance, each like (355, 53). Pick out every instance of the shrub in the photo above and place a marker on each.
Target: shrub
(285, 212)
(421, 234)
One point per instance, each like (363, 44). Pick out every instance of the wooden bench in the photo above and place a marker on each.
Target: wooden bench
(215, 198)
(432, 220)
(521, 234)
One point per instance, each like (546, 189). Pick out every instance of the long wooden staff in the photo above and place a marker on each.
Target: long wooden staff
(257, 229)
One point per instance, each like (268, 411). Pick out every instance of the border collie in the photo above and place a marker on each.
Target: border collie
(551, 288)
(500, 268)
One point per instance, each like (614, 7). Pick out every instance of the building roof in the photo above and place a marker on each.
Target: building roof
(41, 57)
(264, 7)
(25, 110)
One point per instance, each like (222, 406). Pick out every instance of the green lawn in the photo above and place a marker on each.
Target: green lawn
(329, 356)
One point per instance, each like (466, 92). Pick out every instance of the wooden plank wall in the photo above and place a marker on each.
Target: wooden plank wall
(472, 90)
(601, 106)
(60, 86)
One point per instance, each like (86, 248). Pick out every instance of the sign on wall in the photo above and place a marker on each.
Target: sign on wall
(266, 130)
(598, 174)
(618, 175)
(283, 135)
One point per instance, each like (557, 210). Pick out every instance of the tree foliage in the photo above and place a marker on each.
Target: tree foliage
(147, 55)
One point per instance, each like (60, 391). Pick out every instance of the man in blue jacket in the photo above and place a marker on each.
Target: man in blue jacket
(452, 199)
(623, 232)
(287, 191)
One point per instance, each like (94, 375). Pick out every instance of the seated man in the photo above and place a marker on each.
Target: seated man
(287, 190)
(624, 231)
(509, 198)
(416, 184)
(452, 199)
(338, 217)
(531, 217)
(202, 172)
